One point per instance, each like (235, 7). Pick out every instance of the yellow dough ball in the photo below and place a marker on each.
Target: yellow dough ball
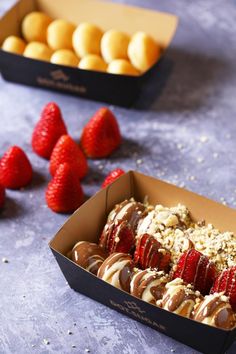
(65, 57)
(59, 34)
(143, 51)
(34, 27)
(14, 44)
(37, 50)
(114, 45)
(87, 39)
(93, 62)
(122, 67)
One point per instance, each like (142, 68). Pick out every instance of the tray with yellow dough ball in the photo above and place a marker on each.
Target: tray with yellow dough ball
(90, 48)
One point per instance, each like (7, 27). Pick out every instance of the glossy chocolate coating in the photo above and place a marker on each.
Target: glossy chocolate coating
(117, 270)
(148, 285)
(179, 298)
(216, 311)
(88, 255)
(127, 213)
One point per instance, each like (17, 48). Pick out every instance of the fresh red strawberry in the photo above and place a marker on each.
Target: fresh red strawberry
(112, 176)
(226, 282)
(149, 253)
(195, 268)
(15, 168)
(48, 130)
(101, 135)
(66, 150)
(2, 196)
(64, 193)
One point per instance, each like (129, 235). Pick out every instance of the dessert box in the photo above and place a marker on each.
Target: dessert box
(115, 89)
(87, 223)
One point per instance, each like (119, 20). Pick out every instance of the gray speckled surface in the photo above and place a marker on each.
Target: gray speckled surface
(186, 137)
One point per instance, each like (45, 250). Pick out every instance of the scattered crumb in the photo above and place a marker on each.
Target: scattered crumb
(74, 323)
(31, 195)
(87, 350)
(172, 350)
(69, 332)
(204, 139)
(200, 159)
(180, 146)
(73, 346)
(5, 260)
(139, 161)
(33, 345)
(100, 167)
(46, 341)
(24, 296)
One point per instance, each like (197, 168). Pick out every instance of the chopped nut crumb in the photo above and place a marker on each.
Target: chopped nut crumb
(180, 146)
(200, 159)
(5, 260)
(204, 139)
(176, 231)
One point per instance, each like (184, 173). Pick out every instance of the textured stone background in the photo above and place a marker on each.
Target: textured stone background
(187, 137)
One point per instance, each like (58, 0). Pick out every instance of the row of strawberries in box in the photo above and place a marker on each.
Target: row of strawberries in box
(141, 266)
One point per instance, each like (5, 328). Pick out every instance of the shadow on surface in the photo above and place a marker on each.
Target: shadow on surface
(95, 175)
(128, 149)
(187, 80)
(38, 180)
(11, 209)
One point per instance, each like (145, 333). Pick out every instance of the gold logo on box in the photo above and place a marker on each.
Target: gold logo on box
(59, 75)
(59, 80)
(132, 308)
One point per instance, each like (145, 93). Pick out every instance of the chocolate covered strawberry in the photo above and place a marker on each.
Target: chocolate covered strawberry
(66, 150)
(48, 130)
(226, 283)
(119, 232)
(101, 135)
(149, 253)
(196, 269)
(64, 193)
(15, 168)
(112, 176)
